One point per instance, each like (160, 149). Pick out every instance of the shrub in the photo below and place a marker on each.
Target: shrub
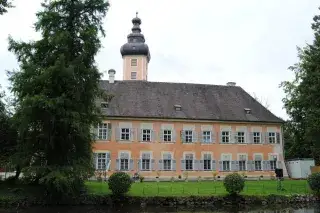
(234, 183)
(141, 178)
(119, 183)
(314, 182)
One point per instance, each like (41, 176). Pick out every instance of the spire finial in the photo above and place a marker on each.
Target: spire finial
(137, 14)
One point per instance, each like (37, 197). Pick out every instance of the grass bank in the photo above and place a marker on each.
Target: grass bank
(203, 188)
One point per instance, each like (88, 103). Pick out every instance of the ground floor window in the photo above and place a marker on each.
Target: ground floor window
(167, 161)
(207, 162)
(146, 161)
(257, 165)
(189, 161)
(242, 165)
(124, 161)
(226, 165)
(273, 165)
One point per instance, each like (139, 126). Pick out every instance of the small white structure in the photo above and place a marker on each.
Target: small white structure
(299, 168)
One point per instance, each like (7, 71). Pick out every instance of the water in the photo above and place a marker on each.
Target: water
(135, 209)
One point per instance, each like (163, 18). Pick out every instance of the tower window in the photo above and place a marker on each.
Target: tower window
(133, 75)
(134, 62)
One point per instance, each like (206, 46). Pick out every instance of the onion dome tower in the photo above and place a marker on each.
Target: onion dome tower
(135, 54)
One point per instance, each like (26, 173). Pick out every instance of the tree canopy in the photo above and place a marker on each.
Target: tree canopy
(56, 89)
(302, 100)
(4, 5)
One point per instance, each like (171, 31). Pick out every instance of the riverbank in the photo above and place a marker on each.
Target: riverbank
(191, 201)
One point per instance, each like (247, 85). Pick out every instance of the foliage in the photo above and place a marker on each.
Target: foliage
(4, 5)
(62, 183)
(8, 134)
(141, 178)
(314, 182)
(302, 98)
(234, 183)
(119, 183)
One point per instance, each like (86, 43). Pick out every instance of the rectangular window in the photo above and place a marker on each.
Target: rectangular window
(125, 134)
(225, 136)
(207, 162)
(240, 137)
(134, 62)
(226, 165)
(273, 162)
(188, 136)
(146, 135)
(256, 137)
(242, 165)
(167, 135)
(102, 160)
(103, 131)
(167, 160)
(124, 161)
(133, 75)
(257, 165)
(242, 162)
(206, 137)
(146, 162)
(272, 137)
(189, 161)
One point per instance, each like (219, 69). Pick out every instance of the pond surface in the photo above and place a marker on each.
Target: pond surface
(135, 209)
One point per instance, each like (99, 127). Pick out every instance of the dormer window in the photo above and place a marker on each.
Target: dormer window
(104, 105)
(177, 107)
(247, 110)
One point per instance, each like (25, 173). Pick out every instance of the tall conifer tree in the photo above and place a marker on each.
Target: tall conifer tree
(56, 88)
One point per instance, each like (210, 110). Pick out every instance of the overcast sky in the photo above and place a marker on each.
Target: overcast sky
(251, 42)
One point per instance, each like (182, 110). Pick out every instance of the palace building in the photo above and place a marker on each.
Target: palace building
(164, 129)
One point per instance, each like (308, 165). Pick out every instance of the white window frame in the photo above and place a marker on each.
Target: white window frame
(105, 159)
(229, 156)
(145, 134)
(167, 133)
(256, 137)
(189, 136)
(120, 159)
(104, 130)
(185, 160)
(225, 136)
(205, 137)
(163, 159)
(241, 136)
(254, 161)
(121, 132)
(133, 75)
(150, 160)
(272, 161)
(134, 62)
(211, 158)
(245, 161)
(272, 137)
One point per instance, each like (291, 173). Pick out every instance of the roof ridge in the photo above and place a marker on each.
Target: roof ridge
(165, 82)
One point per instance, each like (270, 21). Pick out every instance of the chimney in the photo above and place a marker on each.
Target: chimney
(231, 83)
(111, 73)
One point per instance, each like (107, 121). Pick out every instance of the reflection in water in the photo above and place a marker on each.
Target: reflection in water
(134, 209)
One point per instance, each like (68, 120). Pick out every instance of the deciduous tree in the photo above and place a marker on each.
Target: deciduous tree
(302, 100)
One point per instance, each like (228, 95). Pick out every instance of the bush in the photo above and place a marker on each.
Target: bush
(119, 183)
(234, 183)
(314, 182)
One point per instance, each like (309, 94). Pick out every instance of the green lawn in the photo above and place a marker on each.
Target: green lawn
(263, 187)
